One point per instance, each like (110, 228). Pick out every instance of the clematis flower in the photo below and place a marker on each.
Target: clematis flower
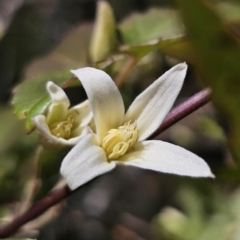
(120, 138)
(62, 126)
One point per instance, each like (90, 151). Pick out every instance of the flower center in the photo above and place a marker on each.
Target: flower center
(62, 129)
(118, 141)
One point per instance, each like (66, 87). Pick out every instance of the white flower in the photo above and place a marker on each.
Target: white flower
(120, 137)
(62, 126)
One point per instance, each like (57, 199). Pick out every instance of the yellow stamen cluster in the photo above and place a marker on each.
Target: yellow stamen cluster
(118, 141)
(62, 129)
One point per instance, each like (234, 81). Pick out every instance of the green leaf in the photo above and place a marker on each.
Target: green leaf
(155, 23)
(162, 29)
(178, 47)
(229, 11)
(38, 108)
(171, 223)
(210, 128)
(31, 99)
(218, 56)
(157, 29)
(218, 227)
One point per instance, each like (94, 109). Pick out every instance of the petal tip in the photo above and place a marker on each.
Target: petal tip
(51, 86)
(38, 119)
(212, 176)
(73, 71)
(49, 83)
(182, 66)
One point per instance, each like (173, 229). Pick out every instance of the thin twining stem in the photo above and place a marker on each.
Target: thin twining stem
(35, 210)
(178, 113)
(126, 70)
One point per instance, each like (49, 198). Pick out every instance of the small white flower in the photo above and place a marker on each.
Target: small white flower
(120, 137)
(62, 126)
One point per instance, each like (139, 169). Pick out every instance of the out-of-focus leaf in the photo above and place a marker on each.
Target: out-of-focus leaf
(103, 41)
(171, 223)
(196, 221)
(234, 204)
(178, 47)
(229, 11)
(157, 29)
(161, 29)
(31, 99)
(209, 127)
(11, 129)
(219, 227)
(155, 23)
(218, 58)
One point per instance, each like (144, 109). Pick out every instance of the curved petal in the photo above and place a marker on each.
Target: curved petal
(84, 162)
(168, 158)
(57, 110)
(104, 97)
(81, 113)
(50, 141)
(57, 94)
(151, 106)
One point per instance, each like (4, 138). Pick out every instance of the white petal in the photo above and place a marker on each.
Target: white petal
(57, 94)
(168, 158)
(151, 106)
(50, 141)
(105, 99)
(56, 112)
(84, 162)
(81, 113)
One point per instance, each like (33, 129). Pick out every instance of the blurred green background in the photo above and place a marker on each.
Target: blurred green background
(135, 42)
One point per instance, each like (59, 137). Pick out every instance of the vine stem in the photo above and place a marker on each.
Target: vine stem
(34, 211)
(178, 113)
(126, 70)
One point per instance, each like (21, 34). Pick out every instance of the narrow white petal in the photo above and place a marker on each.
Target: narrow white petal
(57, 94)
(151, 106)
(84, 162)
(50, 141)
(168, 158)
(104, 97)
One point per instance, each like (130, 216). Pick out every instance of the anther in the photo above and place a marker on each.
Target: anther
(117, 141)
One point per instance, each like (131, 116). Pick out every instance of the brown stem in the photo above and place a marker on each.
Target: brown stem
(178, 113)
(126, 70)
(34, 211)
